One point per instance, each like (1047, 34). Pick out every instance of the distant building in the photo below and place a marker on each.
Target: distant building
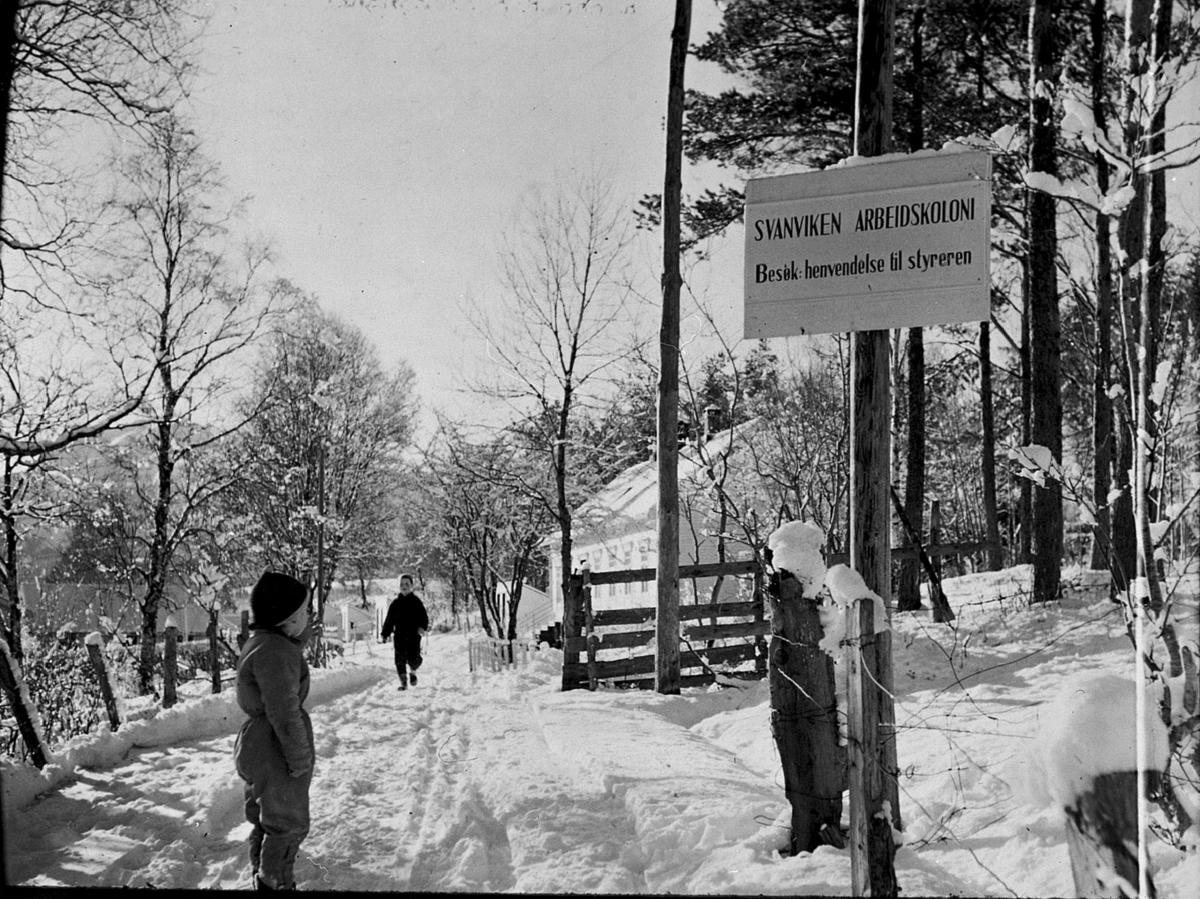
(618, 529)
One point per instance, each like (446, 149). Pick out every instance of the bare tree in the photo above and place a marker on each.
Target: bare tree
(494, 519)
(79, 68)
(194, 312)
(562, 327)
(321, 459)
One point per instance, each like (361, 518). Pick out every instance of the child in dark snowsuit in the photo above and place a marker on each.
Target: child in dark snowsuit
(408, 618)
(274, 750)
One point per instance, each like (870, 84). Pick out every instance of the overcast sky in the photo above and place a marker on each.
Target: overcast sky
(387, 150)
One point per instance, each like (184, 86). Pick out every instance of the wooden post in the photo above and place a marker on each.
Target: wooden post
(589, 625)
(872, 869)
(666, 625)
(572, 612)
(760, 643)
(170, 662)
(870, 403)
(937, 597)
(214, 651)
(97, 657)
(244, 630)
(804, 717)
(1102, 837)
(935, 534)
(12, 680)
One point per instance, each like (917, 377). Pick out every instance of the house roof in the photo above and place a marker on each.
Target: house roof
(630, 500)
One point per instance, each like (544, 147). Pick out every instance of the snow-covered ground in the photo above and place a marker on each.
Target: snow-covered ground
(500, 782)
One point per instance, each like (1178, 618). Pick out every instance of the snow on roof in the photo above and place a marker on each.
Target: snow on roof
(631, 498)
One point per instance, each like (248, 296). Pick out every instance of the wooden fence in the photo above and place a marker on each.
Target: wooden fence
(617, 645)
(490, 654)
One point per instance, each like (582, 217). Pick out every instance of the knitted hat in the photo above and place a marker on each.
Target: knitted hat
(275, 597)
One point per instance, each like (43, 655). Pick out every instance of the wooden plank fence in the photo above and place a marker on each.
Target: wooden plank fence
(490, 654)
(617, 645)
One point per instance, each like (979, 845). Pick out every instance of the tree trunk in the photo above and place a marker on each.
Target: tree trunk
(995, 553)
(160, 551)
(1044, 328)
(1102, 417)
(804, 717)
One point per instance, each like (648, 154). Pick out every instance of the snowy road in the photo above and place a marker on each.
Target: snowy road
(450, 786)
(501, 782)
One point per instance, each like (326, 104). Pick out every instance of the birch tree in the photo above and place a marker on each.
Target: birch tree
(194, 310)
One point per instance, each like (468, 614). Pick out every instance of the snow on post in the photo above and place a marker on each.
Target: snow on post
(796, 548)
(845, 586)
(1097, 743)
(1087, 731)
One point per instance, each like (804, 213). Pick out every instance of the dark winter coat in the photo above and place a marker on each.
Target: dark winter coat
(406, 618)
(272, 684)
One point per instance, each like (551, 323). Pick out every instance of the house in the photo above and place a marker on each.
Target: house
(618, 529)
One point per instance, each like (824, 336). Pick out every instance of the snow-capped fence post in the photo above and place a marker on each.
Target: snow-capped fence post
(170, 661)
(94, 642)
(13, 682)
(872, 867)
(572, 612)
(804, 716)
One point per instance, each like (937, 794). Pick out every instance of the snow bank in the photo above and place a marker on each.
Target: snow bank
(1089, 730)
(796, 547)
(208, 716)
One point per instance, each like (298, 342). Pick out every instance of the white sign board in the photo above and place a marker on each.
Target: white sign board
(899, 243)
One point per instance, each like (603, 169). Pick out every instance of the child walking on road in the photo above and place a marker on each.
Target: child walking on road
(406, 616)
(274, 751)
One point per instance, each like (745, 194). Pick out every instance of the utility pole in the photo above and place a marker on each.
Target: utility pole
(666, 628)
(870, 454)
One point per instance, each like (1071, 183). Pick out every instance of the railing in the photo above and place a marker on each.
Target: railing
(490, 654)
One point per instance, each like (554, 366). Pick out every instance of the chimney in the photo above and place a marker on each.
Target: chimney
(710, 414)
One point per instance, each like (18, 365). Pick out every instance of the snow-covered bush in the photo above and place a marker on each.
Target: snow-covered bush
(62, 684)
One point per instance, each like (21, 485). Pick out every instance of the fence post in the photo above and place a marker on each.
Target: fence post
(935, 536)
(760, 643)
(170, 662)
(804, 717)
(12, 680)
(572, 607)
(244, 629)
(589, 623)
(93, 642)
(214, 651)
(872, 869)
(1102, 835)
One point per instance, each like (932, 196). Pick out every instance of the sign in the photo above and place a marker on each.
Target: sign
(898, 243)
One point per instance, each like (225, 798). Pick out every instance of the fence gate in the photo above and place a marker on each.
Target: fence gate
(617, 645)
